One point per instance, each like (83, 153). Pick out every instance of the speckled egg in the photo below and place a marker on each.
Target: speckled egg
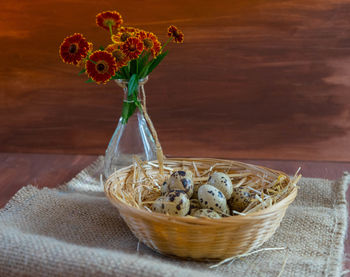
(175, 202)
(181, 180)
(164, 189)
(194, 206)
(240, 199)
(158, 205)
(211, 198)
(206, 213)
(222, 182)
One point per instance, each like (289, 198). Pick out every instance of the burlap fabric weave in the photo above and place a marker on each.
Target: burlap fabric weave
(75, 231)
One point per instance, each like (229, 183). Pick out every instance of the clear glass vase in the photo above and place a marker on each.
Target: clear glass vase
(131, 138)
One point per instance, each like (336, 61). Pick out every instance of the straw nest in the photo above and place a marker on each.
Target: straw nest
(134, 189)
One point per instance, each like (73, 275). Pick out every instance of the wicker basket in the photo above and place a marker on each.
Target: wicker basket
(198, 238)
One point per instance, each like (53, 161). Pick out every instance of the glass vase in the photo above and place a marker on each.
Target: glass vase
(131, 138)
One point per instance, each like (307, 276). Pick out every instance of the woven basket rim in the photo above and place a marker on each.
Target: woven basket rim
(193, 220)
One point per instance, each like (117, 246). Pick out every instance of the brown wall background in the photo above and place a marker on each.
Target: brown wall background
(254, 79)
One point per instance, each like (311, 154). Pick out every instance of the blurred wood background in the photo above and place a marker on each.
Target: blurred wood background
(254, 79)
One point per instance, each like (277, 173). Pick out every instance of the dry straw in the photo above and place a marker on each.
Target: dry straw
(133, 189)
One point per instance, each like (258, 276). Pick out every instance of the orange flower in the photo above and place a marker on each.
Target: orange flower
(74, 48)
(101, 66)
(176, 34)
(132, 47)
(120, 57)
(112, 18)
(150, 42)
(121, 37)
(124, 33)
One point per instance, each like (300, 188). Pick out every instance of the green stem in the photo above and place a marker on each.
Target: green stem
(110, 29)
(163, 46)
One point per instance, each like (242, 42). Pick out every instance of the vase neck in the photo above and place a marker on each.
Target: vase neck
(124, 83)
(140, 90)
(134, 97)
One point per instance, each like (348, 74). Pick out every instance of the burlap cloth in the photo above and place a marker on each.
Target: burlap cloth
(75, 231)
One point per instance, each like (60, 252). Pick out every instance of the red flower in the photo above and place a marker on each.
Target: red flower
(132, 47)
(150, 42)
(121, 37)
(113, 18)
(120, 57)
(101, 66)
(74, 48)
(124, 33)
(176, 34)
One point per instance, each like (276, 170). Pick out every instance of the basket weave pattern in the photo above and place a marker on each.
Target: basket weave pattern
(198, 238)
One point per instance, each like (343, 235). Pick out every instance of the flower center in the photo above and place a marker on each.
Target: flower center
(72, 48)
(148, 43)
(125, 36)
(101, 67)
(132, 47)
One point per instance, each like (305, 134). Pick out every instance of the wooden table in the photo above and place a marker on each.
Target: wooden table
(18, 170)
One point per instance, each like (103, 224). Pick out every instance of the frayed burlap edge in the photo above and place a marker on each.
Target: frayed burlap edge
(21, 196)
(337, 256)
(26, 193)
(87, 180)
(86, 172)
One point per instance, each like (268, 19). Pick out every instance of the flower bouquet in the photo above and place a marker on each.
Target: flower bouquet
(132, 55)
(129, 59)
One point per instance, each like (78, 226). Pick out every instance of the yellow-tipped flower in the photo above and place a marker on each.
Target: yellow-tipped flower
(176, 34)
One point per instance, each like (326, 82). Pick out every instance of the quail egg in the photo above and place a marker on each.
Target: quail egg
(194, 206)
(240, 199)
(206, 213)
(158, 205)
(175, 202)
(211, 198)
(164, 189)
(181, 180)
(222, 182)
